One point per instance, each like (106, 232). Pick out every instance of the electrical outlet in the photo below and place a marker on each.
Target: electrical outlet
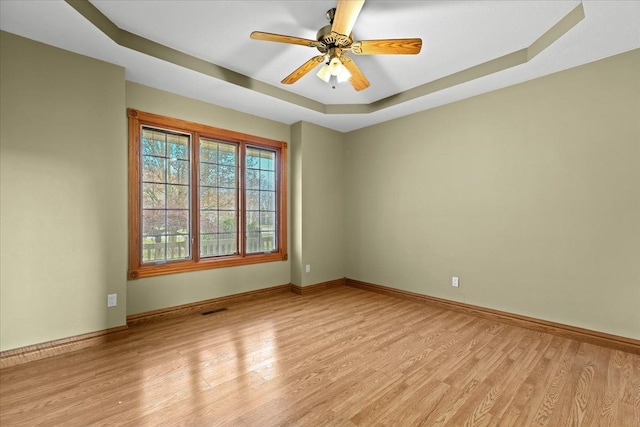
(454, 282)
(112, 300)
(308, 268)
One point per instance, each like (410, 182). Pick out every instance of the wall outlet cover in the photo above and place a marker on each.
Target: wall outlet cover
(112, 300)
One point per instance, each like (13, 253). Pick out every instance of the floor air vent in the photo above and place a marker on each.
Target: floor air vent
(217, 310)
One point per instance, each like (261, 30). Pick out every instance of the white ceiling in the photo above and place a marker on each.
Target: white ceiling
(456, 35)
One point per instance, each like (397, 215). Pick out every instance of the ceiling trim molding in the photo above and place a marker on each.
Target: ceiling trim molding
(502, 63)
(148, 47)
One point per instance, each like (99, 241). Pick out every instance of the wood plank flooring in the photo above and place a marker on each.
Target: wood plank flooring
(341, 357)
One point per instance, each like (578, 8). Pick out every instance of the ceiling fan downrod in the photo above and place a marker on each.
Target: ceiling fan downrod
(331, 13)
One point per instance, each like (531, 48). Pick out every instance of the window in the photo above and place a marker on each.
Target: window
(202, 197)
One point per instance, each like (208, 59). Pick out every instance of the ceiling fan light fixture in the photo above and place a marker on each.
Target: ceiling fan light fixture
(324, 73)
(344, 75)
(333, 72)
(335, 66)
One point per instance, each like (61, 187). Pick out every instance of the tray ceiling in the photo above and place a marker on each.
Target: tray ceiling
(202, 49)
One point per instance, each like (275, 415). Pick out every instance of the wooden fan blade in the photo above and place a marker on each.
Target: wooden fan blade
(357, 80)
(347, 12)
(303, 69)
(270, 37)
(387, 47)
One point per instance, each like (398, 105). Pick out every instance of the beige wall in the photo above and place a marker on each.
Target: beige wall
(321, 201)
(530, 194)
(63, 193)
(165, 291)
(295, 199)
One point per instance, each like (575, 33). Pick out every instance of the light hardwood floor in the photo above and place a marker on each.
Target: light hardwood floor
(341, 357)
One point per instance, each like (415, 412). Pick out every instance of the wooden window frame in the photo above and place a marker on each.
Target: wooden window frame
(138, 119)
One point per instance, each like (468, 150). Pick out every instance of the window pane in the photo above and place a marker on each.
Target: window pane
(208, 151)
(177, 247)
(267, 241)
(227, 222)
(208, 244)
(153, 169)
(267, 200)
(218, 198)
(253, 242)
(208, 198)
(267, 221)
(227, 199)
(253, 158)
(177, 196)
(218, 244)
(153, 143)
(178, 147)
(253, 221)
(153, 222)
(261, 241)
(252, 179)
(227, 154)
(153, 196)
(153, 249)
(227, 176)
(267, 180)
(178, 221)
(267, 160)
(208, 222)
(260, 200)
(252, 199)
(165, 188)
(178, 171)
(228, 244)
(208, 174)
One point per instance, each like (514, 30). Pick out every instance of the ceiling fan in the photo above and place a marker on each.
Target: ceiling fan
(334, 40)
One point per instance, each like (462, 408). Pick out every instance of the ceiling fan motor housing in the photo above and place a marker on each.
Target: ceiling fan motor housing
(330, 39)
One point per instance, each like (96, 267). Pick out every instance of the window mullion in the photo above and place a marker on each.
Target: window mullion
(195, 197)
(166, 196)
(242, 223)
